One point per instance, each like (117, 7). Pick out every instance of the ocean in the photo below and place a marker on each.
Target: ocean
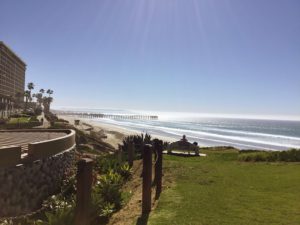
(209, 131)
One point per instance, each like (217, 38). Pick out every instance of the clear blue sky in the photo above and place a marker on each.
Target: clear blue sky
(226, 56)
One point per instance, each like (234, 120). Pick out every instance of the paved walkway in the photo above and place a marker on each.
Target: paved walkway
(46, 123)
(24, 138)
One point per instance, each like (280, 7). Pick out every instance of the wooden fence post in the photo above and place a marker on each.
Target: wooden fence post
(158, 146)
(120, 154)
(84, 188)
(130, 153)
(147, 179)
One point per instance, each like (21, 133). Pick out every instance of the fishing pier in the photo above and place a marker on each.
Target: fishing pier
(110, 116)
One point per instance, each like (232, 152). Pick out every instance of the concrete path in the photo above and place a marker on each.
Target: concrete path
(46, 123)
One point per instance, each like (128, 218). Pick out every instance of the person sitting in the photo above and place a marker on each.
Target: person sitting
(196, 149)
(184, 138)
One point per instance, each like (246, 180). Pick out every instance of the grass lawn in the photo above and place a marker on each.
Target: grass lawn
(217, 189)
(19, 120)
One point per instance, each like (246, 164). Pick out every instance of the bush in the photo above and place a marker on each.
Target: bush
(109, 188)
(107, 210)
(2, 121)
(58, 202)
(125, 171)
(38, 111)
(80, 137)
(51, 117)
(29, 113)
(107, 196)
(138, 141)
(108, 163)
(292, 155)
(19, 115)
(60, 217)
(60, 210)
(33, 119)
(68, 187)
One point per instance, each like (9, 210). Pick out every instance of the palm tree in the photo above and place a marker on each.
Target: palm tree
(47, 102)
(33, 96)
(30, 87)
(49, 92)
(39, 98)
(27, 97)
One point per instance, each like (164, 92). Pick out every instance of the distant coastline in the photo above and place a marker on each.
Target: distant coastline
(240, 133)
(177, 114)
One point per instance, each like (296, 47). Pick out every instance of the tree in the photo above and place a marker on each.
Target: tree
(39, 99)
(46, 103)
(49, 92)
(47, 100)
(27, 96)
(33, 96)
(30, 87)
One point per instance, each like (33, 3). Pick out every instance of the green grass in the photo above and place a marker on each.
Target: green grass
(292, 155)
(218, 189)
(19, 120)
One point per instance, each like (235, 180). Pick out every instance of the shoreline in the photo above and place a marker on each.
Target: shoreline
(115, 134)
(210, 139)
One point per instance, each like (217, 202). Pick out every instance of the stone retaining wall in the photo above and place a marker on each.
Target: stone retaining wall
(25, 186)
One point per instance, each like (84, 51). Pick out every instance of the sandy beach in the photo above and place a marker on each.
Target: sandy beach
(114, 134)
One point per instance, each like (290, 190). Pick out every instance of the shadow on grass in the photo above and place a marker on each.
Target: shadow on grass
(143, 219)
(157, 195)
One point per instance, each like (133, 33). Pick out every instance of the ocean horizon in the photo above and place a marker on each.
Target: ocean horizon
(210, 129)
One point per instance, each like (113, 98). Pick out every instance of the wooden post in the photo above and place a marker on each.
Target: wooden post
(147, 179)
(130, 153)
(119, 154)
(158, 145)
(84, 188)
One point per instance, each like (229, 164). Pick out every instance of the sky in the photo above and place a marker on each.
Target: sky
(203, 56)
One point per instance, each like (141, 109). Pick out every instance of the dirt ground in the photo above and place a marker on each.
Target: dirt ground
(131, 213)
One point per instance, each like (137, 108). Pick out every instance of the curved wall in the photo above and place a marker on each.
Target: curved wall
(24, 186)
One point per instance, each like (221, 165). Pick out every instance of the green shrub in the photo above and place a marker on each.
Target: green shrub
(68, 187)
(80, 137)
(109, 188)
(19, 115)
(107, 210)
(57, 202)
(138, 141)
(33, 119)
(125, 171)
(38, 111)
(51, 117)
(18, 120)
(292, 155)
(60, 210)
(60, 217)
(2, 121)
(105, 164)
